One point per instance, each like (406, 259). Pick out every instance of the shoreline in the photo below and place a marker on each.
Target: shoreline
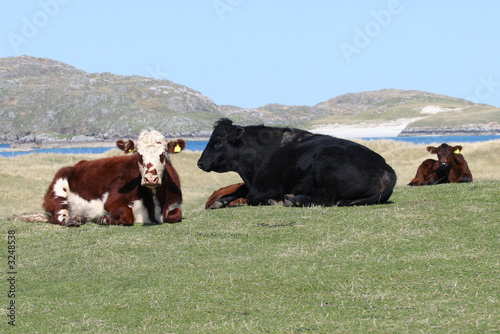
(392, 129)
(28, 146)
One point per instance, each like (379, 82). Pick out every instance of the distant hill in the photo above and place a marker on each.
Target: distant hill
(43, 96)
(43, 99)
(426, 113)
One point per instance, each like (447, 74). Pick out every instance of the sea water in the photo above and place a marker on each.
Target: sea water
(199, 145)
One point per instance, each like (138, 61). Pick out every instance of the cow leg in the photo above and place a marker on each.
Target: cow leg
(62, 217)
(226, 201)
(115, 220)
(119, 214)
(299, 200)
(425, 173)
(255, 198)
(438, 176)
(414, 182)
(75, 221)
(174, 216)
(57, 208)
(238, 195)
(465, 178)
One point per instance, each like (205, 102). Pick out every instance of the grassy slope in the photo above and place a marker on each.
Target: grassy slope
(474, 115)
(396, 105)
(427, 261)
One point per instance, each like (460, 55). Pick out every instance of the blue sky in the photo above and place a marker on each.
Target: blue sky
(253, 52)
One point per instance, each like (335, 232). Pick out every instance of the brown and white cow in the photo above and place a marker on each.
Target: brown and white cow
(450, 167)
(142, 187)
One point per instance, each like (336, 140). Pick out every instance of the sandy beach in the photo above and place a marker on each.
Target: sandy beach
(363, 129)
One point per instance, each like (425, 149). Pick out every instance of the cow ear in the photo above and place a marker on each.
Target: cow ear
(175, 145)
(457, 149)
(432, 149)
(236, 134)
(126, 145)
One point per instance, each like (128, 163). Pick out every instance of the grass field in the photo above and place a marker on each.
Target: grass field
(426, 262)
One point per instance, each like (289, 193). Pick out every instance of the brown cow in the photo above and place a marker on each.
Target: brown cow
(450, 167)
(233, 195)
(142, 187)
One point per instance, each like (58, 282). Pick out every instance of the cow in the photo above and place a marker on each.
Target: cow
(450, 167)
(296, 167)
(237, 191)
(139, 187)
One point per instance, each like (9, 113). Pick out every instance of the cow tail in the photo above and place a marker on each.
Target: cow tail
(34, 217)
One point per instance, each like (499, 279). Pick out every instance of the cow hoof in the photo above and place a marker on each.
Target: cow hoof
(80, 219)
(291, 200)
(217, 205)
(104, 220)
(72, 223)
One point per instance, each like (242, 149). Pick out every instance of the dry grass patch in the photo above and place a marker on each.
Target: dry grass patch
(483, 158)
(24, 179)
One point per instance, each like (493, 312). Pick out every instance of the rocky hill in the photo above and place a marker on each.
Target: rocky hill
(43, 100)
(42, 97)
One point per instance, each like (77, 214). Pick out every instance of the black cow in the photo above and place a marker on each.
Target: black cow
(297, 166)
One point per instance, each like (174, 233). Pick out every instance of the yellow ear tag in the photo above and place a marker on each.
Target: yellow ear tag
(132, 151)
(457, 151)
(177, 148)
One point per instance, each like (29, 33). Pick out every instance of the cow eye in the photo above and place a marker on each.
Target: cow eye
(139, 157)
(218, 143)
(162, 158)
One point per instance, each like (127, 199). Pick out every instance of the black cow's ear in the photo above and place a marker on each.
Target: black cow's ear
(126, 145)
(236, 134)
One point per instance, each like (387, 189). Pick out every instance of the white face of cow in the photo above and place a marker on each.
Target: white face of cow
(152, 152)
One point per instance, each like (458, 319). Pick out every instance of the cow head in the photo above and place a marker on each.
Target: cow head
(445, 153)
(220, 153)
(152, 151)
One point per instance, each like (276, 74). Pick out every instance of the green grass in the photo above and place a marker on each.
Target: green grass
(426, 262)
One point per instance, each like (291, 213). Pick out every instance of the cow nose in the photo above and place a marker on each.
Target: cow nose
(200, 164)
(444, 164)
(151, 180)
